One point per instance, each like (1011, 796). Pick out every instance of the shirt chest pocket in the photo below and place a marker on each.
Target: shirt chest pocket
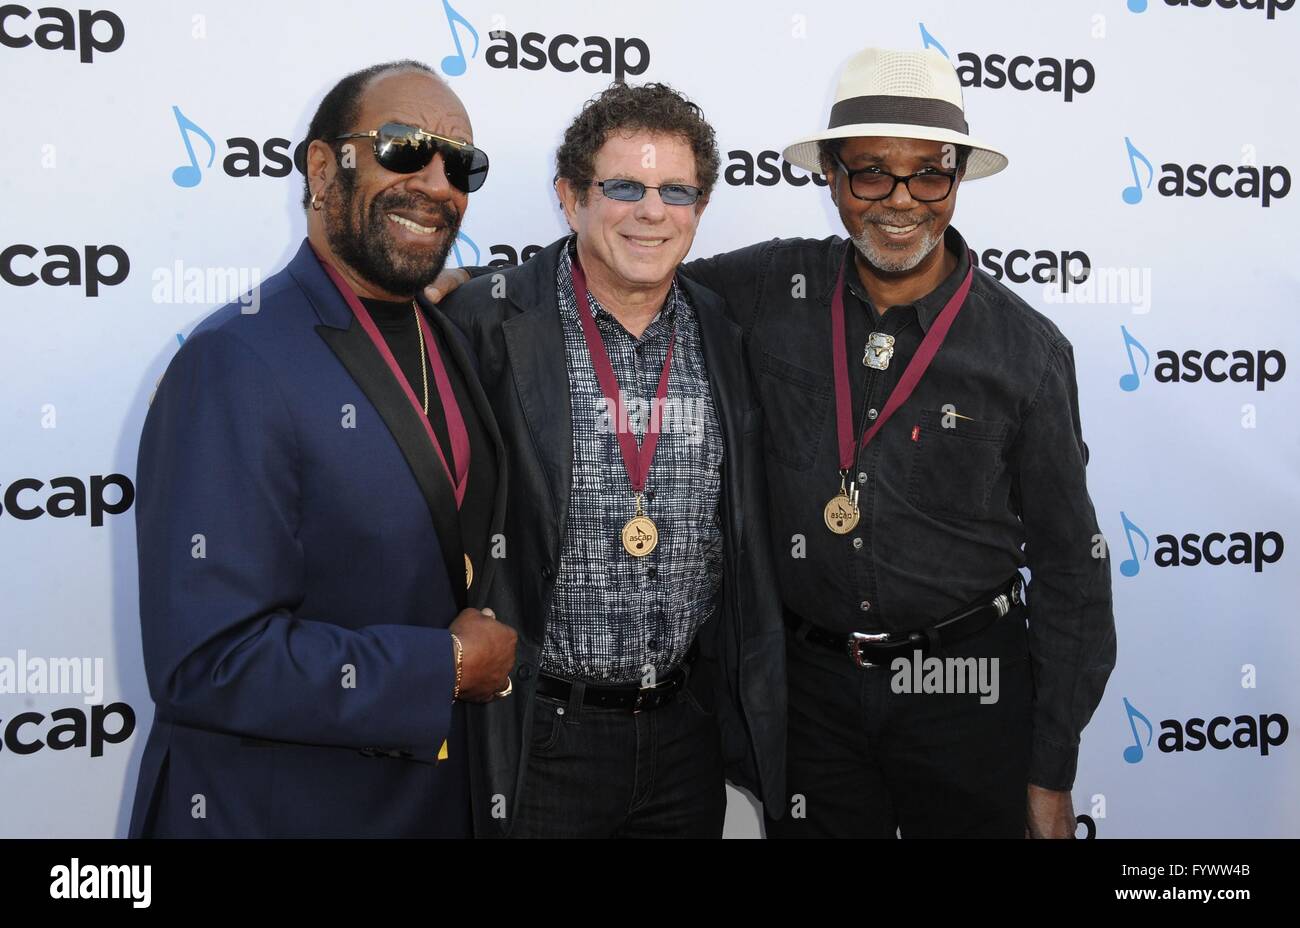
(796, 405)
(955, 464)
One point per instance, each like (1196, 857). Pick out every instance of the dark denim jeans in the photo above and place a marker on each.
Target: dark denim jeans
(609, 773)
(865, 761)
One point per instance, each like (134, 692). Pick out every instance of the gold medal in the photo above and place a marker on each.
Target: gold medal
(469, 572)
(640, 536)
(841, 515)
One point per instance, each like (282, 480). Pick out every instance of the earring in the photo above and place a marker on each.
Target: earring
(315, 201)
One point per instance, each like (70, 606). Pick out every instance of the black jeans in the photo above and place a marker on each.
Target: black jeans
(609, 773)
(866, 761)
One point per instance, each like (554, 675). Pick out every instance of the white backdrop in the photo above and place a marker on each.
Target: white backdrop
(93, 110)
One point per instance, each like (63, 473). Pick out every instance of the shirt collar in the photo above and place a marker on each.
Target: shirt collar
(929, 306)
(667, 313)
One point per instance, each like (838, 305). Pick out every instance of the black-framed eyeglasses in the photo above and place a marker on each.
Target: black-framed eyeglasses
(405, 149)
(629, 191)
(927, 186)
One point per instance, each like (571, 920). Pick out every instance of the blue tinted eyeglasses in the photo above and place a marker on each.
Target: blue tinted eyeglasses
(630, 191)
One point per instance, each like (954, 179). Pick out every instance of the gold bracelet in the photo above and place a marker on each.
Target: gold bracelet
(455, 693)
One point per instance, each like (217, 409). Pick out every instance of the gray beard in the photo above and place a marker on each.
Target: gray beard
(892, 261)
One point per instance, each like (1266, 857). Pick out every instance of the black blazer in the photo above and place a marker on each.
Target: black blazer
(513, 321)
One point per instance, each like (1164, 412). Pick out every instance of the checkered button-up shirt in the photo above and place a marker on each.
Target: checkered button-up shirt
(614, 617)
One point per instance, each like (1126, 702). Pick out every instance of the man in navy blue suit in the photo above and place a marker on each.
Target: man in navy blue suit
(321, 489)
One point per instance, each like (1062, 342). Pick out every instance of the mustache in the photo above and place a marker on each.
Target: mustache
(444, 214)
(896, 219)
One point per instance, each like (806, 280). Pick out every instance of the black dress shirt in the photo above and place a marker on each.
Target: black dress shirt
(978, 474)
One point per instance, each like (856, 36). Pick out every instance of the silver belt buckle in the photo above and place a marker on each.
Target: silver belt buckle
(645, 693)
(857, 639)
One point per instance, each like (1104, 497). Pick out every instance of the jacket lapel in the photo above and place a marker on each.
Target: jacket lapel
(724, 360)
(460, 357)
(350, 344)
(535, 342)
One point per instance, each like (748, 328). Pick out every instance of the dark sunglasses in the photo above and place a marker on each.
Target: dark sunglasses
(406, 149)
(629, 191)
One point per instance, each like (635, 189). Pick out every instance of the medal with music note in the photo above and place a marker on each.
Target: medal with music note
(640, 535)
(841, 514)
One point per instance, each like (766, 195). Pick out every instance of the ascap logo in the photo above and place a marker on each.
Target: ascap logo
(637, 538)
(87, 266)
(245, 157)
(1251, 732)
(533, 51)
(1271, 7)
(509, 256)
(92, 31)
(1213, 549)
(1245, 181)
(1064, 267)
(465, 252)
(1258, 366)
(767, 169)
(24, 734)
(74, 499)
(1068, 77)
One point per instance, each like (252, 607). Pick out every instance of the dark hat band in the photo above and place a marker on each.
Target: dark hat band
(909, 111)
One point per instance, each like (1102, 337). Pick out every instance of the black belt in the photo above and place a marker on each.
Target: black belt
(630, 698)
(869, 649)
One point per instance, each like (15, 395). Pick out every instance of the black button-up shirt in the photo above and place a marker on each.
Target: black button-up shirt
(979, 473)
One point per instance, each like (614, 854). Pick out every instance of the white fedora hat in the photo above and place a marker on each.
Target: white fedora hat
(899, 94)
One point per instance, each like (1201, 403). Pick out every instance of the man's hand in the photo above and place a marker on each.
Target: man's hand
(1049, 813)
(487, 654)
(446, 282)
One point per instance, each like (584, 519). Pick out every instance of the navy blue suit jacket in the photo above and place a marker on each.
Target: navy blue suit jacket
(300, 561)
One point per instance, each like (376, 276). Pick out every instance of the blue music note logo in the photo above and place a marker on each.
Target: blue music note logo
(456, 64)
(1132, 565)
(929, 41)
(1133, 753)
(1133, 195)
(189, 175)
(1137, 6)
(1132, 380)
(455, 250)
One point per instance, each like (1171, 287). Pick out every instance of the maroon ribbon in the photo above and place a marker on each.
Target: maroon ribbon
(911, 375)
(636, 461)
(456, 430)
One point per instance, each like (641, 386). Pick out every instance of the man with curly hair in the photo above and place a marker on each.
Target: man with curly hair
(638, 564)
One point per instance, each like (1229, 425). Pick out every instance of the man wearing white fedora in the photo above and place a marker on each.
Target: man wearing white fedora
(922, 444)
